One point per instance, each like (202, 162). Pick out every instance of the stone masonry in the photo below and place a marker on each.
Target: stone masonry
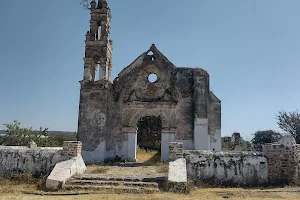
(72, 148)
(227, 168)
(175, 150)
(109, 110)
(283, 163)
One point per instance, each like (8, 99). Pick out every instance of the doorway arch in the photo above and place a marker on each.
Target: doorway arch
(131, 117)
(149, 131)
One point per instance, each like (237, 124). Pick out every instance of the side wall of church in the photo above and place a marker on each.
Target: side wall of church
(98, 127)
(214, 122)
(183, 84)
(201, 106)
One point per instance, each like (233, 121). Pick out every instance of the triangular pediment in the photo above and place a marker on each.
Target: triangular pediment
(153, 55)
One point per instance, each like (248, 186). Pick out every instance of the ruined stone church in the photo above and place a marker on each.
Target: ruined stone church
(150, 103)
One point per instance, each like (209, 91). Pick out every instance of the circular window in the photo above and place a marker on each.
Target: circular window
(152, 78)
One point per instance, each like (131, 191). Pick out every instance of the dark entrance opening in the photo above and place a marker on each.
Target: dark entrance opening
(149, 133)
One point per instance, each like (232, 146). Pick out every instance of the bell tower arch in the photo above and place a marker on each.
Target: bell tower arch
(98, 45)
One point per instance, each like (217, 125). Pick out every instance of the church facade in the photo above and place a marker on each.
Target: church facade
(175, 102)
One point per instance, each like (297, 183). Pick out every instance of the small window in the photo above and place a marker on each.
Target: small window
(152, 78)
(99, 33)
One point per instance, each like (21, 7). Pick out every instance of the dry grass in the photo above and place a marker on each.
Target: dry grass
(23, 183)
(12, 191)
(129, 170)
(147, 156)
(162, 168)
(97, 169)
(149, 165)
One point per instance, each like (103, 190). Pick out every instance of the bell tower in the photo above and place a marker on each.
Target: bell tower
(98, 46)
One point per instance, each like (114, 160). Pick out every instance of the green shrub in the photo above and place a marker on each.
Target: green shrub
(15, 135)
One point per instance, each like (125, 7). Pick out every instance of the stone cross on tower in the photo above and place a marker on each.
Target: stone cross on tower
(98, 46)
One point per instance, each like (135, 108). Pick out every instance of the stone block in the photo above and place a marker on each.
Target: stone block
(177, 177)
(64, 171)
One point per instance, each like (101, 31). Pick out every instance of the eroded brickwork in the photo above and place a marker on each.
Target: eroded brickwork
(283, 162)
(175, 150)
(72, 148)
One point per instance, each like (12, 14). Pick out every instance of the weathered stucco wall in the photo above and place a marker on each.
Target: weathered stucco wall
(180, 96)
(38, 162)
(109, 112)
(99, 115)
(228, 168)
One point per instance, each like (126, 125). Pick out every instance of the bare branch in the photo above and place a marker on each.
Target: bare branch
(85, 4)
(289, 122)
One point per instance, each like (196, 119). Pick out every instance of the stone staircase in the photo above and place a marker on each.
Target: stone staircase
(100, 182)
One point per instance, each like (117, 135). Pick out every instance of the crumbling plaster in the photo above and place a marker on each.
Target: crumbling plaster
(107, 108)
(109, 111)
(228, 168)
(38, 161)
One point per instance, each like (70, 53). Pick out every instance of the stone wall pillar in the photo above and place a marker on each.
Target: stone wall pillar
(175, 150)
(88, 64)
(201, 136)
(132, 145)
(283, 163)
(72, 148)
(103, 70)
(167, 136)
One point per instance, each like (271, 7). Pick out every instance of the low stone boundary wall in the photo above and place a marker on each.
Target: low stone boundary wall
(38, 161)
(227, 168)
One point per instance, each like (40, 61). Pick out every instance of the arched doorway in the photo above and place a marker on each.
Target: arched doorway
(149, 130)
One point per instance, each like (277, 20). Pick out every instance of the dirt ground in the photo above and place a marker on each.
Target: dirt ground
(130, 170)
(12, 191)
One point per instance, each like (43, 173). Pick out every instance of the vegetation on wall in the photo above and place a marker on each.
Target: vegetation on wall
(16, 135)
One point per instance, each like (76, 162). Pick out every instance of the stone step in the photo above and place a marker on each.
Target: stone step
(124, 179)
(122, 189)
(112, 183)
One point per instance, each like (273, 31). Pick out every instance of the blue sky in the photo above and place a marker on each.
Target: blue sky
(251, 49)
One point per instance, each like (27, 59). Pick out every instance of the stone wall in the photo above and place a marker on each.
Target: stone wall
(38, 161)
(227, 168)
(175, 150)
(72, 148)
(283, 162)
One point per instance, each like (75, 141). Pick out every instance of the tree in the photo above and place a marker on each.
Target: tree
(263, 137)
(289, 122)
(15, 135)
